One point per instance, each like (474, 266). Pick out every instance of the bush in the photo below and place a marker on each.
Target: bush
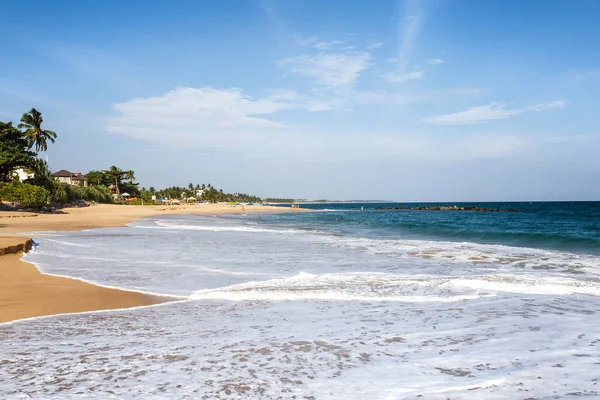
(25, 194)
(99, 194)
(58, 194)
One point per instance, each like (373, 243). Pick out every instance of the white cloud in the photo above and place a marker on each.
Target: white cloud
(375, 45)
(408, 30)
(547, 106)
(326, 45)
(236, 127)
(399, 77)
(489, 112)
(474, 115)
(208, 116)
(434, 61)
(329, 69)
(305, 41)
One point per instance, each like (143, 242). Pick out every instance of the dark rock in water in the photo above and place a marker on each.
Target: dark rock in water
(449, 208)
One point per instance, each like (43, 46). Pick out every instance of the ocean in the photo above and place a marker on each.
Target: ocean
(333, 304)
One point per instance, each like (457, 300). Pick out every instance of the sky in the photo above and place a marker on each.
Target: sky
(415, 100)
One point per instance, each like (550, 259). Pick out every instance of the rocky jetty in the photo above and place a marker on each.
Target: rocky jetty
(449, 208)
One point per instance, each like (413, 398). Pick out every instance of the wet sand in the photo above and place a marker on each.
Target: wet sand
(25, 292)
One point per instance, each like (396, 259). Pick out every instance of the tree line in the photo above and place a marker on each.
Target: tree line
(20, 147)
(201, 192)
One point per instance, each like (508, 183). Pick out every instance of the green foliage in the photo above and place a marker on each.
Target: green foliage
(115, 176)
(99, 194)
(210, 194)
(146, 195)
(278, 200)
(14, 151)
(58, 193)
(38, 137)
(98, 178)
(43, 177)
(23, 193)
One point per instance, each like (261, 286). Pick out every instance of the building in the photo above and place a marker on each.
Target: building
(71, 178)
(23, 174)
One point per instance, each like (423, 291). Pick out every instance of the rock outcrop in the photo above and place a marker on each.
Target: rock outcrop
(449, 208)
(14, 244)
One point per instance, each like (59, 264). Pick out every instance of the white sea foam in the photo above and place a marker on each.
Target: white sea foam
(368, 318)
(366, 286)
(470, 253)
(222, 228)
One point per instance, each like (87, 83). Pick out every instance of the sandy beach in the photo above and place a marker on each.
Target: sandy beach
(25, 292)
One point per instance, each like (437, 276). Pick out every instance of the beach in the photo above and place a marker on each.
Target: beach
(26, 293)
(330, 304)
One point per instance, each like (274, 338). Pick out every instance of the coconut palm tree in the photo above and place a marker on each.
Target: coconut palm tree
(130, 175)
(38, 137)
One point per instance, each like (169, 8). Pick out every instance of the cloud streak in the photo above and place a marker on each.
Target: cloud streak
(488, 113)
(329, 69)
(399, 77)
(435, 61)
(547, 106)
(474, 115)
(408, 32)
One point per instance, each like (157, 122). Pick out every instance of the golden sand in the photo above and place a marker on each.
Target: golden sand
(26, 292)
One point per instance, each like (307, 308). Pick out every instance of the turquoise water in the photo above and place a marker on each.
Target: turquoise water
(566, 226)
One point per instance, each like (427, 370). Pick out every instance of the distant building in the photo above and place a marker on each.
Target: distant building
(23, 174)
(71, 178)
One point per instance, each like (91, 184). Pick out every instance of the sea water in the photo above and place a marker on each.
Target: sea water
(337, 304)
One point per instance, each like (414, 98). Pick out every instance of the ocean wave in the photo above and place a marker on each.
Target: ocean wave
(371, 286)
(471, 253)
(214, 228)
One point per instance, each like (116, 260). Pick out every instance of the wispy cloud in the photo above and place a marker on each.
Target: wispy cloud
(315, 42)
(408, 30)
(399, 77)
(489, 112)
(434, 61)
(198, 115)
(329, 69)
(326, 45)
(578, 75)
(474, 115)
(547, 106)
(231, 121)
(305, 41)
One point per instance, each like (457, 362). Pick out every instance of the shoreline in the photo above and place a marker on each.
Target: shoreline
(26, 292)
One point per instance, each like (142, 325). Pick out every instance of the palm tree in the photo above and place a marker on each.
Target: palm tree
(38, 137)
(130, 175)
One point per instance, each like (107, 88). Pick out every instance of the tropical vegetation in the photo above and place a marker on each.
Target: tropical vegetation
(38, 137)
(20, 147)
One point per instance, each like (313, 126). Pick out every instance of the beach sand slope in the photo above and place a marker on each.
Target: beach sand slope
(25, 292)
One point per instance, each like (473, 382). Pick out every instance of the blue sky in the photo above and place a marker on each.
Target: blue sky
(431, 100)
